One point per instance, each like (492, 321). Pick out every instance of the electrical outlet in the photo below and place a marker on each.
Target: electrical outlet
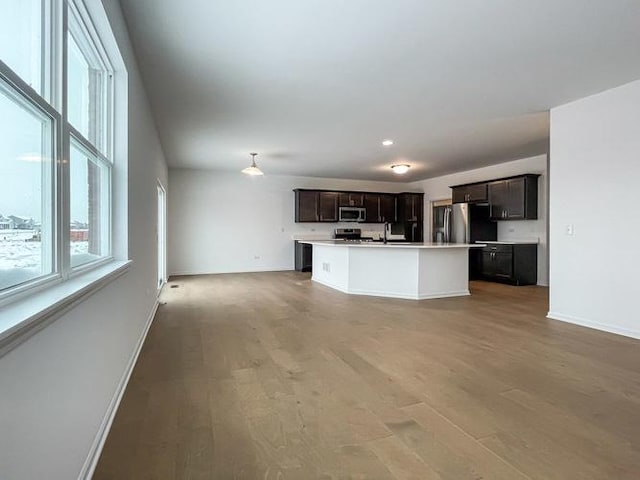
(256, 257)
(511, 230)
(568, 229)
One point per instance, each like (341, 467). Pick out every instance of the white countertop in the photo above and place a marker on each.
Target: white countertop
(508, 242)
(340, 243)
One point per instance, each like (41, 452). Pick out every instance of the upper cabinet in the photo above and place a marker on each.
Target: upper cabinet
(306, 206)
(472, 193)
(514, 198)
(324, 206)
(328, 206)
(351, 199)
(387, 207)
(380, 207)
(410, 207)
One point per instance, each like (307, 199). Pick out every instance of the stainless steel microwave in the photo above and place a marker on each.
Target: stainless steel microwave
(352, 214)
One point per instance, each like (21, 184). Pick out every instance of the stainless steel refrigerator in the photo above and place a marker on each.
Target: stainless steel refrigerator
(464, 223)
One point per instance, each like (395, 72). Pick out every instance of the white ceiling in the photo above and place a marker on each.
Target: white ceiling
(314, 86)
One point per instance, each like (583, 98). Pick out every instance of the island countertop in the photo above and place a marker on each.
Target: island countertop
(422, 245)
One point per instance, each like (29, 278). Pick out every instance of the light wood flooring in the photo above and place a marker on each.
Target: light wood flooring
(270, 376)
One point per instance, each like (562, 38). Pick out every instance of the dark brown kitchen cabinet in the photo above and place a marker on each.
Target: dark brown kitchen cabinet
(380, 207)
(351, 199)
(306, 206)
(328, 206)
(471, 193)
(303, 257)
(410, 207)
(387, 208)
(516, 264)
(324, 205)
(372, 207)
(514, 198)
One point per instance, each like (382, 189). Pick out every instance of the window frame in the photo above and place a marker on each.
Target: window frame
(52, 103)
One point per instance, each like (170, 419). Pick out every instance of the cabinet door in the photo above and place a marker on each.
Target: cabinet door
(477, 193)
(328, 206)
(459, 194)
(470, 193)
(351, 199)
(356, 199)
(307, 206)
(499, 199)
(418, 208)
(502, 265)
(343, 199)
(486, 265)
(372, 205)
(516, 201)
(387, 208)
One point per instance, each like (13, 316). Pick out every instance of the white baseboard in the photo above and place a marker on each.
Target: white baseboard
(404, 296)
(98, 443)
(210, 272)
(583, 322)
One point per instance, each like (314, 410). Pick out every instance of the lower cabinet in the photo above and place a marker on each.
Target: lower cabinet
(516, 264)
(303, 257)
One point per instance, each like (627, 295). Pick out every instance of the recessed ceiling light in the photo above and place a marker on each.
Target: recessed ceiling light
(400, 169)
(387, 143)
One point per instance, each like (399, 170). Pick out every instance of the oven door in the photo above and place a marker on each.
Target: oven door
(351, 214)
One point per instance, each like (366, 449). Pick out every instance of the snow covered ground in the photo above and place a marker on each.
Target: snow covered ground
(16, 252)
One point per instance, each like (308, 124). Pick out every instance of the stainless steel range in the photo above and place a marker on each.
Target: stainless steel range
(348, 234)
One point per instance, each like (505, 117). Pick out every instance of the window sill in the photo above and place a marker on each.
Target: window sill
(25, 317)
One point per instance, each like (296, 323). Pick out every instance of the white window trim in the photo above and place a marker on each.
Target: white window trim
(22, 319)
(30, 307)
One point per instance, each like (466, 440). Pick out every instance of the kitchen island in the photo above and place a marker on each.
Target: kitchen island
(414, 271)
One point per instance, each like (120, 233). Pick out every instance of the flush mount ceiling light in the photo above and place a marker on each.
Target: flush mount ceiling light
(400, 169)
(253, 168)
(387, 143)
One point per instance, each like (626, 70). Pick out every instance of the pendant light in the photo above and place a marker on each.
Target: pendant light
(253, 168)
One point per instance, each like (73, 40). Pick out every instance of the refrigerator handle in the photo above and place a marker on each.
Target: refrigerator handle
(447, 232)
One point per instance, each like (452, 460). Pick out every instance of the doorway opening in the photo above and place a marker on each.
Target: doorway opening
(162, 235)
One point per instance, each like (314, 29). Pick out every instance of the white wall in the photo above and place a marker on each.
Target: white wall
(220, 222)
(438, 189)
(595, 167)
(56, 387)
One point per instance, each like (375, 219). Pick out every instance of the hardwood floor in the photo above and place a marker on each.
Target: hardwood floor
(269, 376)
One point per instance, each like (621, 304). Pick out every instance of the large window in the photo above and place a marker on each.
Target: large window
(56, 156)
(26, 191)
(22, 43)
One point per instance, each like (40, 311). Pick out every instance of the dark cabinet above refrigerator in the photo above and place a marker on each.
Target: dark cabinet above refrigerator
(511, 198)
(472, 193)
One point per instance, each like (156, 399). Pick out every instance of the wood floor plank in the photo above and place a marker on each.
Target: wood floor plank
(298, 381)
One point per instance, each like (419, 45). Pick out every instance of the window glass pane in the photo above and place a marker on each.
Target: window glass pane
(21, 39)
(87, 81)
(89, 196)
(26, 207)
